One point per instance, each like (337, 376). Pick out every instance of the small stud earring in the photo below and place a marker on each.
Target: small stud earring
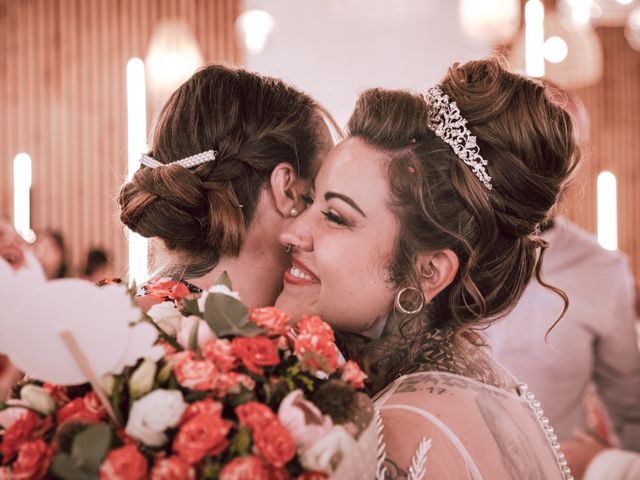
(294, 212)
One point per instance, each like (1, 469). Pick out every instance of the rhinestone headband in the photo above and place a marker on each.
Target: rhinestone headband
(447, 123)
(188, 162)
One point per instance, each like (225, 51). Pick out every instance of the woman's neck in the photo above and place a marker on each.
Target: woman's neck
(258, 278)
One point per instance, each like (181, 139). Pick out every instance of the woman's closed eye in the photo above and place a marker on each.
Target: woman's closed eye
(334, 218)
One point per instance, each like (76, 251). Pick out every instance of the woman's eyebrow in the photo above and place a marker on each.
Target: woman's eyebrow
(329, 195)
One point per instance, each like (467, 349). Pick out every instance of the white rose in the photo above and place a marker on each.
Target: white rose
(166, 316)
(326, 454)
(38, 399)
(186, 327)
(223, 289)
(153, 414)
(141, 380)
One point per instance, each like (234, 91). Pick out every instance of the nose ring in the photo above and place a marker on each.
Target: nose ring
(290, 246)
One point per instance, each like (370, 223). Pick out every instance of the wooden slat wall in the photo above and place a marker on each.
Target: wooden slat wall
(614, 110)
(63, 101)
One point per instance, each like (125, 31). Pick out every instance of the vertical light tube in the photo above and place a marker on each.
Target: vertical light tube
(607, 211)
(22, 196)
(534, 38)
(136, 145)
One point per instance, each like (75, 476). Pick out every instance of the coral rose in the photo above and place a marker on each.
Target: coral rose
(314, 345)
(203, 434)
(255, 352)
(231, 383)
(207, 405)
(124, 463)
(195, 374)
(245, 468)
(352, 374)
(162, 289)
(219, 351)
(254, 415)
(274, 444)
(87, 409)
(19, 432)
(33, 460)
(172, 468)
(274, 321)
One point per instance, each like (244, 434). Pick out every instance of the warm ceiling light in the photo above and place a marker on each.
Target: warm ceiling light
(534, 38)
(254, 27)
(173, 56)
(496, 21)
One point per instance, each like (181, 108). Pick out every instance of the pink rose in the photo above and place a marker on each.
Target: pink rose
(304, 421)
(186, 327)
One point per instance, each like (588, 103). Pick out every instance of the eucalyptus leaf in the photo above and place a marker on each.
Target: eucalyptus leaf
(90, 447)
(225, 315)
(63, 467)
(193, 336)
(190, 307)
(224, 279)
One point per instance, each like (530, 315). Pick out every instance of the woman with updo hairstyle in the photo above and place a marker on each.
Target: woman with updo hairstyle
(424, 230)
(230, 163)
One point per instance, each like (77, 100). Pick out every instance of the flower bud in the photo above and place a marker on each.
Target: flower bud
(142, 379)
(38, 399)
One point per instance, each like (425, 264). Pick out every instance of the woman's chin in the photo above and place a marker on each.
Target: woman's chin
(296, 305)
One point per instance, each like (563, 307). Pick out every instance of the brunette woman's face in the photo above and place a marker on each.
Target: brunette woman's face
(343, 244)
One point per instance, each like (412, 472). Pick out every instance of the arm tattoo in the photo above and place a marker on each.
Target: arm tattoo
(394, 472)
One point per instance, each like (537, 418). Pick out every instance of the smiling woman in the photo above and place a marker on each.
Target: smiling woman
(423, 230)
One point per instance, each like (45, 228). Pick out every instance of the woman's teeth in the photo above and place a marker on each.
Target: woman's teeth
(296, 272)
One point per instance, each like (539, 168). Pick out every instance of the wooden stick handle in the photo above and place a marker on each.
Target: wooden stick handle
(82, 361)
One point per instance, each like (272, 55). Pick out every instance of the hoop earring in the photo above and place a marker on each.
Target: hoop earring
(398, 301)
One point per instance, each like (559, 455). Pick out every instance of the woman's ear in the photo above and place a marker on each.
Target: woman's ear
(284, 185)
(437, 271)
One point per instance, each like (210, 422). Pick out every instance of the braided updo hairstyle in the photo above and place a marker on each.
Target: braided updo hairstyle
(254, 122)
(529, 144)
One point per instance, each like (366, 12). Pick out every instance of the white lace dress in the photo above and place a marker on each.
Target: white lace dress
(448, 427)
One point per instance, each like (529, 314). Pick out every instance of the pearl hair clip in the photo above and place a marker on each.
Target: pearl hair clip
(448, 124)
(188, 162)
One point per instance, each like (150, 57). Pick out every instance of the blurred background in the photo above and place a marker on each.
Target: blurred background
(82, 80)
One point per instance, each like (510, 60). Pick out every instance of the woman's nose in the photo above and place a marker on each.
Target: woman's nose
(296, 234)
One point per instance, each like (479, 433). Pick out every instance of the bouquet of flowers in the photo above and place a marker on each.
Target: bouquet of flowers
(234, 393)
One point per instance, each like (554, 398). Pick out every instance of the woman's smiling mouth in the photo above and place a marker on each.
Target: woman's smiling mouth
(299, 274)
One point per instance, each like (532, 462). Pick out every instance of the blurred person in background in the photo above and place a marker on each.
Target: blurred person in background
(49, 248)
(97, 266)
(595, 343)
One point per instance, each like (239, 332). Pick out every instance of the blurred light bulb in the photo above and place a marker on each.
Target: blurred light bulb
(254, 27)
(555, 49)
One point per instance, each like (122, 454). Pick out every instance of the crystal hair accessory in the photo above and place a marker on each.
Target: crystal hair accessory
(448, 124)
(188, 162)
